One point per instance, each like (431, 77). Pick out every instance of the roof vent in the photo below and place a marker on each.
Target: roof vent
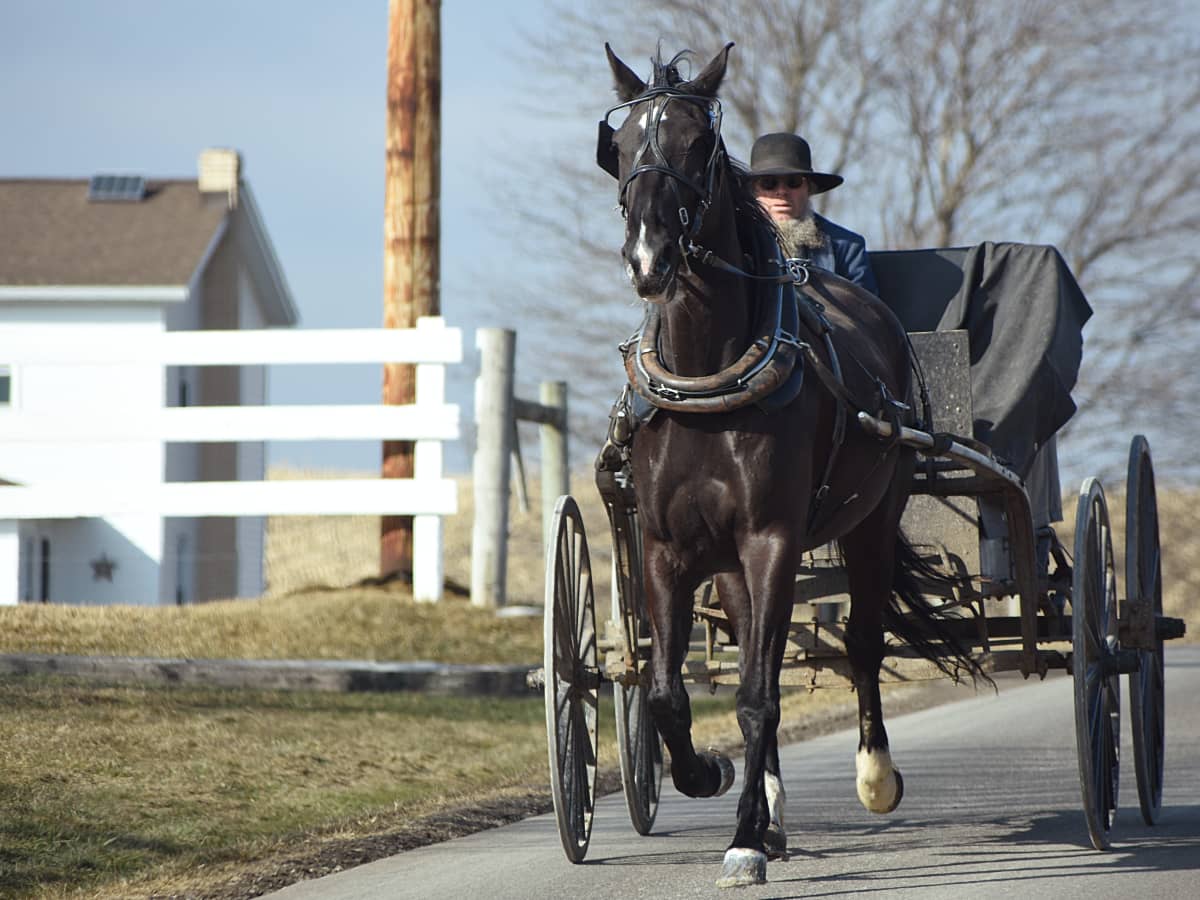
(116, 189)
(220, 171)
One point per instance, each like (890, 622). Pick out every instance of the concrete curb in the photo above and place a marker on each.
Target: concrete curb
(348, 676)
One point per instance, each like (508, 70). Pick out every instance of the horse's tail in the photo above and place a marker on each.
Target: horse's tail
(923, 627)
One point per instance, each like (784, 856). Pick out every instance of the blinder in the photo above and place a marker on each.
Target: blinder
(606, 150)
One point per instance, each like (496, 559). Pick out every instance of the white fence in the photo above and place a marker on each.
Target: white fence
(427, 496)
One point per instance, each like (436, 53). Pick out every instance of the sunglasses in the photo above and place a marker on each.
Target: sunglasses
(770, 182)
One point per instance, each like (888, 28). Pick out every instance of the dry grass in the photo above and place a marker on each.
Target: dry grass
(357, 623)
(336, 551)
(1179, 532)
(115, 792)
(103, 784)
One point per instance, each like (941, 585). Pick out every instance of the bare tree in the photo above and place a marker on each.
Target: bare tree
(1071, 122)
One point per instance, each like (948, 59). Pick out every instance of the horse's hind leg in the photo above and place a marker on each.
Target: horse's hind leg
(669, 603)
(869, 557)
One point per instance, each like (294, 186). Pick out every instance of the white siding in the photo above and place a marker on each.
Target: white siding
(133, 542)
(177, 579)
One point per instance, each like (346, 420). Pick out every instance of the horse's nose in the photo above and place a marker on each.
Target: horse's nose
(646, 263)
(661, 267)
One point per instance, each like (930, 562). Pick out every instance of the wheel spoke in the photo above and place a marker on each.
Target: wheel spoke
(566, 733)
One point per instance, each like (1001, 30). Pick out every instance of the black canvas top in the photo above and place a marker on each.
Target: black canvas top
(1024, 314)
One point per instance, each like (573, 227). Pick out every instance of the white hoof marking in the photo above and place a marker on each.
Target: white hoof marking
(776, 799)
(743, 868)
(878, 789)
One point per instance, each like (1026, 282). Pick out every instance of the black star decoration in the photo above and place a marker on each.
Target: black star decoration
(102, 568)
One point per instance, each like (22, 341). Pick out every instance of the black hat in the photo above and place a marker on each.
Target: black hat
(788, 154)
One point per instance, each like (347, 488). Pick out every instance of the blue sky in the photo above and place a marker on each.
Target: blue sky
(298, 87)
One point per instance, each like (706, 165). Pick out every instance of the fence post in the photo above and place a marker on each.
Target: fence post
(491, 468)
(428, 571)
(555, 467)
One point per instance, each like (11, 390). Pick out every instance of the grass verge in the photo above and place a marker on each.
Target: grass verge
(115, 792)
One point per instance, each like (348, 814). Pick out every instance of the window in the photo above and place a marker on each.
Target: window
(5, 385)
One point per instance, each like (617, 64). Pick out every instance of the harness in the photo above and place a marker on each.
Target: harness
(771, 371)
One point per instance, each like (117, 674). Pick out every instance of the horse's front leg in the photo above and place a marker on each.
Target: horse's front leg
(669, 604)
(869, 555)
(775, 838)
(762, 636)
(735, 599)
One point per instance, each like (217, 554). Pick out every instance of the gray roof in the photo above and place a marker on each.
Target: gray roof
(50, 234)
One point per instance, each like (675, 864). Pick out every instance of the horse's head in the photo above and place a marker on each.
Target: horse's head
(665, 157)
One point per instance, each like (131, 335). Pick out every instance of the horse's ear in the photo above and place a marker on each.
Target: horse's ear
(626, 82)
(706, 83)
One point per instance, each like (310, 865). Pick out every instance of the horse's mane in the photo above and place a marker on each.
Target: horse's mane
(747, 209)
(666, 74)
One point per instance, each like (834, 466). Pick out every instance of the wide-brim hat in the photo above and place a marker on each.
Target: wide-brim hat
(788, 154)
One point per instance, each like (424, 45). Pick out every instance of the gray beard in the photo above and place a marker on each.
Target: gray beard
(801, 236)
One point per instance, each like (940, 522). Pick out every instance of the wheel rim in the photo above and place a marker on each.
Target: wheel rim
(1143, 582)
(639, 745)
(641, 757)
(1095, 645)
(572, 679)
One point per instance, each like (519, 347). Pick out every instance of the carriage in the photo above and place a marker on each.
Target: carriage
(970, 517)
(1109, 626)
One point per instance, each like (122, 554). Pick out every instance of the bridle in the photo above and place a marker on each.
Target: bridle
(606, 157)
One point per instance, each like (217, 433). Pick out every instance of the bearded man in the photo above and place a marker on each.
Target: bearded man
(783, 179)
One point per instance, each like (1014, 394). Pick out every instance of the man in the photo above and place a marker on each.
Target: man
(782, 175)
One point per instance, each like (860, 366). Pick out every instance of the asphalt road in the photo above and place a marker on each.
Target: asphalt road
(991, 807)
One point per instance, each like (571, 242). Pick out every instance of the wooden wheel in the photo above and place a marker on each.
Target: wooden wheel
(639, 745)
(1143, 585)
(572, 679)
(1094, 656)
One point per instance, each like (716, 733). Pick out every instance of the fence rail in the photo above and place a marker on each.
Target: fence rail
(427, 496)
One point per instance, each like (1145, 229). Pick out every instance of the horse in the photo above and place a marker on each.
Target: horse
(734, 491)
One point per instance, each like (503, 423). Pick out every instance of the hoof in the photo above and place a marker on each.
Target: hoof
(775, 840)
(725, 764)
(880, 787)
(743, 868)
(899, 791)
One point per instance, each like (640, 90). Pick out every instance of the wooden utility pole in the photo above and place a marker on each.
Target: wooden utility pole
(411, 224)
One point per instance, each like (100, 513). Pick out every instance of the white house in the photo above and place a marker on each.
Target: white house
(113, 260)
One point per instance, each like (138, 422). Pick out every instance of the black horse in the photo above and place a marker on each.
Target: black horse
(729, 491)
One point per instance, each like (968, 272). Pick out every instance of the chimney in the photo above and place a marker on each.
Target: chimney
(220, 172)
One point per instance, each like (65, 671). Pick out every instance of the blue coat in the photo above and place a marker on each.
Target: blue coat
(846, 255)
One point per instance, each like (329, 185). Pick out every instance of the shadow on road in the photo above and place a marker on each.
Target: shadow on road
(1013, 851)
